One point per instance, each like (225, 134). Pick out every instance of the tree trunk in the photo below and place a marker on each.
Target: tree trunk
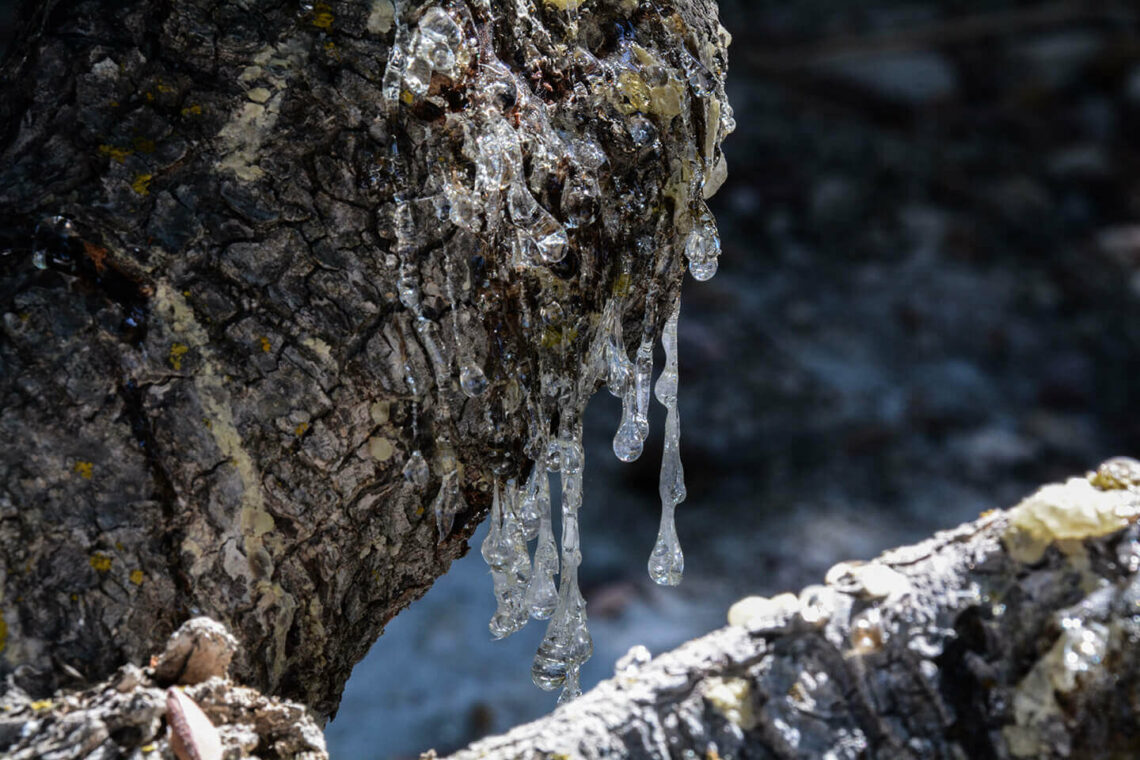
(1010, 637)
(247, 249)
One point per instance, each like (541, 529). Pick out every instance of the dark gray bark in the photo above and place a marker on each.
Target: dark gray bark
(204, 399)
(1010, 637)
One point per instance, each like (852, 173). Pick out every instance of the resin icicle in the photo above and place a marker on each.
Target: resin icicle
(666, 562)
(472, 380)
(416, 469)
(449, 499)
(504, 550)
(567, 644)
(634, 428)
(541, 594)
(529, 511)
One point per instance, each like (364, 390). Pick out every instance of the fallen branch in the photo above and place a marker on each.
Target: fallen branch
(1011, 636)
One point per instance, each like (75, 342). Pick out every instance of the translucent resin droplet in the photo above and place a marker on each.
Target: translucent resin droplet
(629, 441)
(666, 561)
(416, 470)
(702, 246)
(472, 380)
(529, 511)
(449, 499)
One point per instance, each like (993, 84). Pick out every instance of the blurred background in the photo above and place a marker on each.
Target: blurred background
(928, 304)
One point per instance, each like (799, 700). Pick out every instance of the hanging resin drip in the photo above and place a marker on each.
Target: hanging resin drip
(702, 246)
(472, 380)
(541, 594)
(634, 428)
(529, 511)
(567, 644)
(449, 499)
(619, 369)
(415, 469)
(504, 551)
(666, 562)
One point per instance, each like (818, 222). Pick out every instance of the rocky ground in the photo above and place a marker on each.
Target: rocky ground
(928, 303)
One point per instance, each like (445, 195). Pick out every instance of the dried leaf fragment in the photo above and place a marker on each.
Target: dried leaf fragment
(192, 735)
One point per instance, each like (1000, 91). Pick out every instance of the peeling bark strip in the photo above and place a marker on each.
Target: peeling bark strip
(245, 255)
(1014, 636)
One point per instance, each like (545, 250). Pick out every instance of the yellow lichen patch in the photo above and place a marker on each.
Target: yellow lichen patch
(565, 5)
(42, 704)
(192, 110)
(164, 88)
(3, 632)
(1071, 510)
(380, 411)
(632, 93)
(137, 577)
(300, 429)
(141, 183)
(177, 351)
(266, 346)
(407, 97)
(1118, 473)
(667, 100)
(322, 16)
(84, 469)
(622, 284)
(143, 145)
(380, 448)
(115, 154)
(75, 597)
(731, 697)
(100, 562)
(555, 337)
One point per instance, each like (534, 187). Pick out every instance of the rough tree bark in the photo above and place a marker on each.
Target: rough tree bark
(230, 239)
(1010, 637)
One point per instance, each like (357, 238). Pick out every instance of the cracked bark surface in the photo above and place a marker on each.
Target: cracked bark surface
(204, 360)
(1010, 637)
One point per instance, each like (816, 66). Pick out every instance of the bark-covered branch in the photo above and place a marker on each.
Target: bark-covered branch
(1012, 636)
(249, 248)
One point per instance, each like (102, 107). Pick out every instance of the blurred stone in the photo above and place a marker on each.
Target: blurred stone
(1121, 243)
(1132, 86)
(993, 449)
(917, 78)
(1057, 60)
(202, 648)
(1080, 161)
